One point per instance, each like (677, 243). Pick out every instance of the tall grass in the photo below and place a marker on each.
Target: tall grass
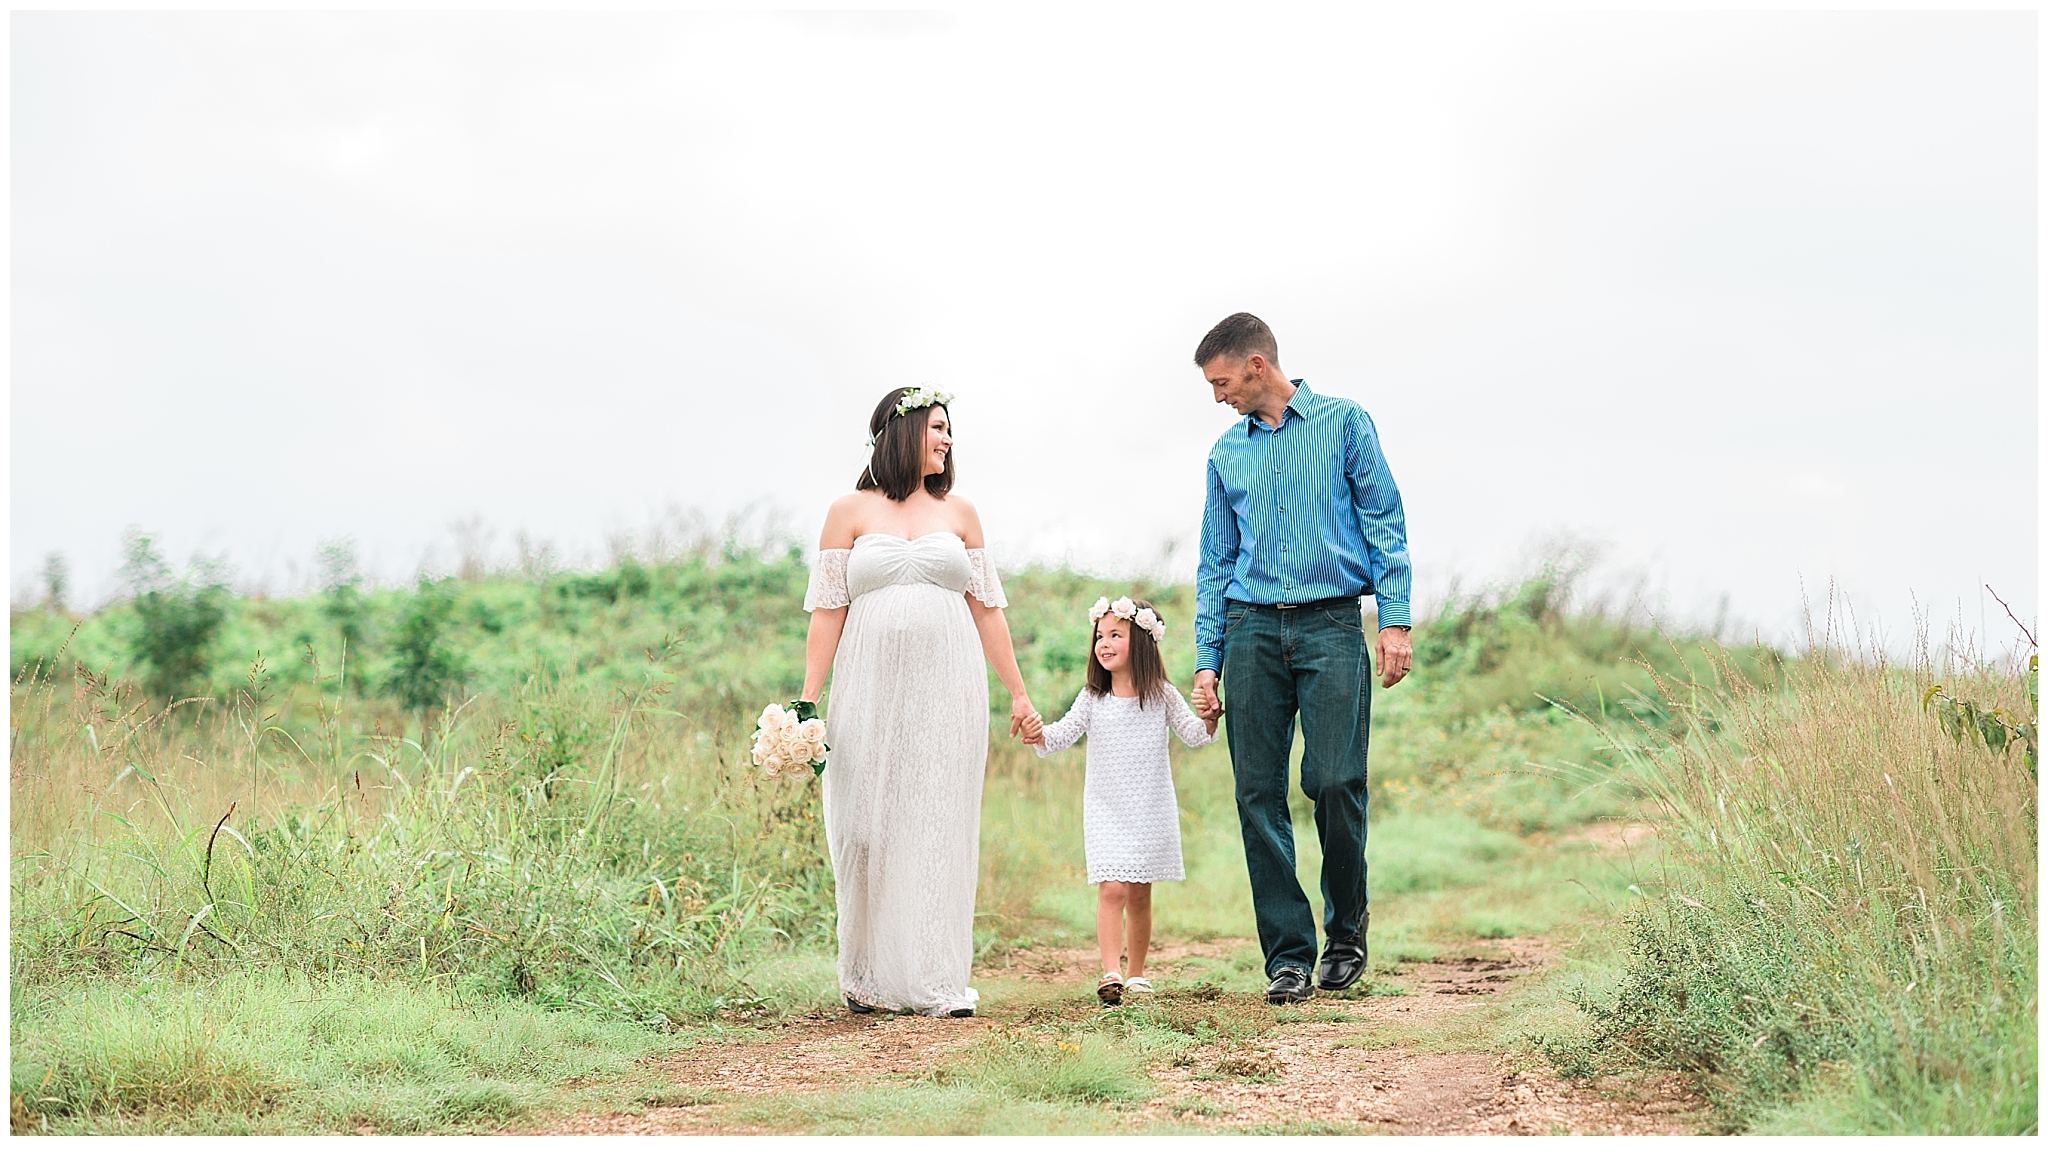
(1846, 940)
(574, 847)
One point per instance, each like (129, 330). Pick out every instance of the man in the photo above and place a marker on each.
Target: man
(1301, 520)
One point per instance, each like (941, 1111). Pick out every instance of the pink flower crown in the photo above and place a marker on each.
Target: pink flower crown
(1128, 610)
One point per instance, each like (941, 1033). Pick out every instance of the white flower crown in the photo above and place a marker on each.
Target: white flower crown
(1128, 610)
(922, 397)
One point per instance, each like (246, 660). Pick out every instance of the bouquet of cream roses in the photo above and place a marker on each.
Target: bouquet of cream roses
(789, 737)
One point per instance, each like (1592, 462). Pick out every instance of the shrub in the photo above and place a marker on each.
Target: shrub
(426, 670)
(178, 618)
(341, 602)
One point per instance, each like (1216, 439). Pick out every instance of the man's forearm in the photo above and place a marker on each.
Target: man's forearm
(1208, 626)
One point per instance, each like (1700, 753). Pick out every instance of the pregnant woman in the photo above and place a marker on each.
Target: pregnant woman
(905, 608)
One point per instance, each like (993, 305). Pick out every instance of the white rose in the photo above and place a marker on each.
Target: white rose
(1100, 608)
(813, 731)
(1123, 608)
(771, 718)
(817, 752)
(758, 756)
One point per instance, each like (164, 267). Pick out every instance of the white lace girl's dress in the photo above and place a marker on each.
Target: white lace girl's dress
(908, 724)
(1129, 815)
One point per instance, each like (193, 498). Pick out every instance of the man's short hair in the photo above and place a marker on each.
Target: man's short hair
(1238, 335)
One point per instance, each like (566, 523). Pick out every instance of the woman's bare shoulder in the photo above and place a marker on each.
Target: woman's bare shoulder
(843, 520)
(966, 520)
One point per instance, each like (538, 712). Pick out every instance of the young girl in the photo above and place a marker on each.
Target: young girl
(1129, 814)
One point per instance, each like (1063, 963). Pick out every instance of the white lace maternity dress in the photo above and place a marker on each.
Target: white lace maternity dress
(908, 723)
(1130, 818)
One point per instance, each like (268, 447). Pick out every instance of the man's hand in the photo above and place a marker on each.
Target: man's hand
(1396, 655)
(1207, 706)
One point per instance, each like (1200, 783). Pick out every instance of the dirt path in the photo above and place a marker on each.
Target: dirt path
(1310, 1067)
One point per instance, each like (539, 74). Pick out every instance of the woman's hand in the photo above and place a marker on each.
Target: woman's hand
(1023, 719)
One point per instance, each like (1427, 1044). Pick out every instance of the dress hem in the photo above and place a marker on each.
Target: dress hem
(1177, 876)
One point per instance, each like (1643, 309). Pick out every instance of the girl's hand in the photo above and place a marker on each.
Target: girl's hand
(1209, 724)
(1034, 731)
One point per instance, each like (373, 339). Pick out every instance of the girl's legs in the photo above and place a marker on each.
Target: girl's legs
(1137, 924)
(1109, 921)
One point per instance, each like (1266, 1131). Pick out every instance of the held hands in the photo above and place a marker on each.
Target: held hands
(1025, 723)
(1205, 702)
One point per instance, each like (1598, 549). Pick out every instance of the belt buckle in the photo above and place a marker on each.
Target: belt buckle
(1287, 605)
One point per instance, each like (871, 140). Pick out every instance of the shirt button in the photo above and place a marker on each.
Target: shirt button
(1283, 549)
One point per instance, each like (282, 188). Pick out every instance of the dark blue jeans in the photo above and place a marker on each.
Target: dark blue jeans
(1315, 662)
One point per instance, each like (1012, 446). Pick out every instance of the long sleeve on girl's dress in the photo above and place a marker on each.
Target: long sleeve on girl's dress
(1184, 721)
(1068, 730)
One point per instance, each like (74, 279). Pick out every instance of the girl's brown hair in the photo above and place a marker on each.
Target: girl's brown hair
(897, 464)
(1148, 668)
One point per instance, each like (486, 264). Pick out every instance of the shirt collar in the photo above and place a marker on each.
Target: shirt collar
(1302, 401)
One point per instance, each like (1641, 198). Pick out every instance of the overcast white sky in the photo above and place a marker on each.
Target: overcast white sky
(1748, 300)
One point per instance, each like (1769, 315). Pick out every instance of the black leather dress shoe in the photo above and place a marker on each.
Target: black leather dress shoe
(960, 1013)
(1343, 961)
(858, 1008)
(1289, 985)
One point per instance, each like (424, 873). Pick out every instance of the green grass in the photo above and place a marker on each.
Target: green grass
(301, 905)
(1843, 938)
(263, 1052)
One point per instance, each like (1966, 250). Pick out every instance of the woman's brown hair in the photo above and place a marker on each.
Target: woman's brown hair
(1148, 668)
(897, 465)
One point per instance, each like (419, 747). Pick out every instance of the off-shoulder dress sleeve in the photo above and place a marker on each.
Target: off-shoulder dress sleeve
(1184, 720)
(1068, 730)
(982, 581)
(828, 581)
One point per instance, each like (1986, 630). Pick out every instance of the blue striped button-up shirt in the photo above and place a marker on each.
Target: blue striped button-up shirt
(1299, 513)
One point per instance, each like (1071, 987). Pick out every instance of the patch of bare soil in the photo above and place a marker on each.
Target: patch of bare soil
(1300, 1073)
(1614, 838)
(808, 1054)
(1315, 1072)
(1310, 1076)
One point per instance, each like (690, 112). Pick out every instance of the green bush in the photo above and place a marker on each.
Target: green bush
(426, 670)
(177, 619)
